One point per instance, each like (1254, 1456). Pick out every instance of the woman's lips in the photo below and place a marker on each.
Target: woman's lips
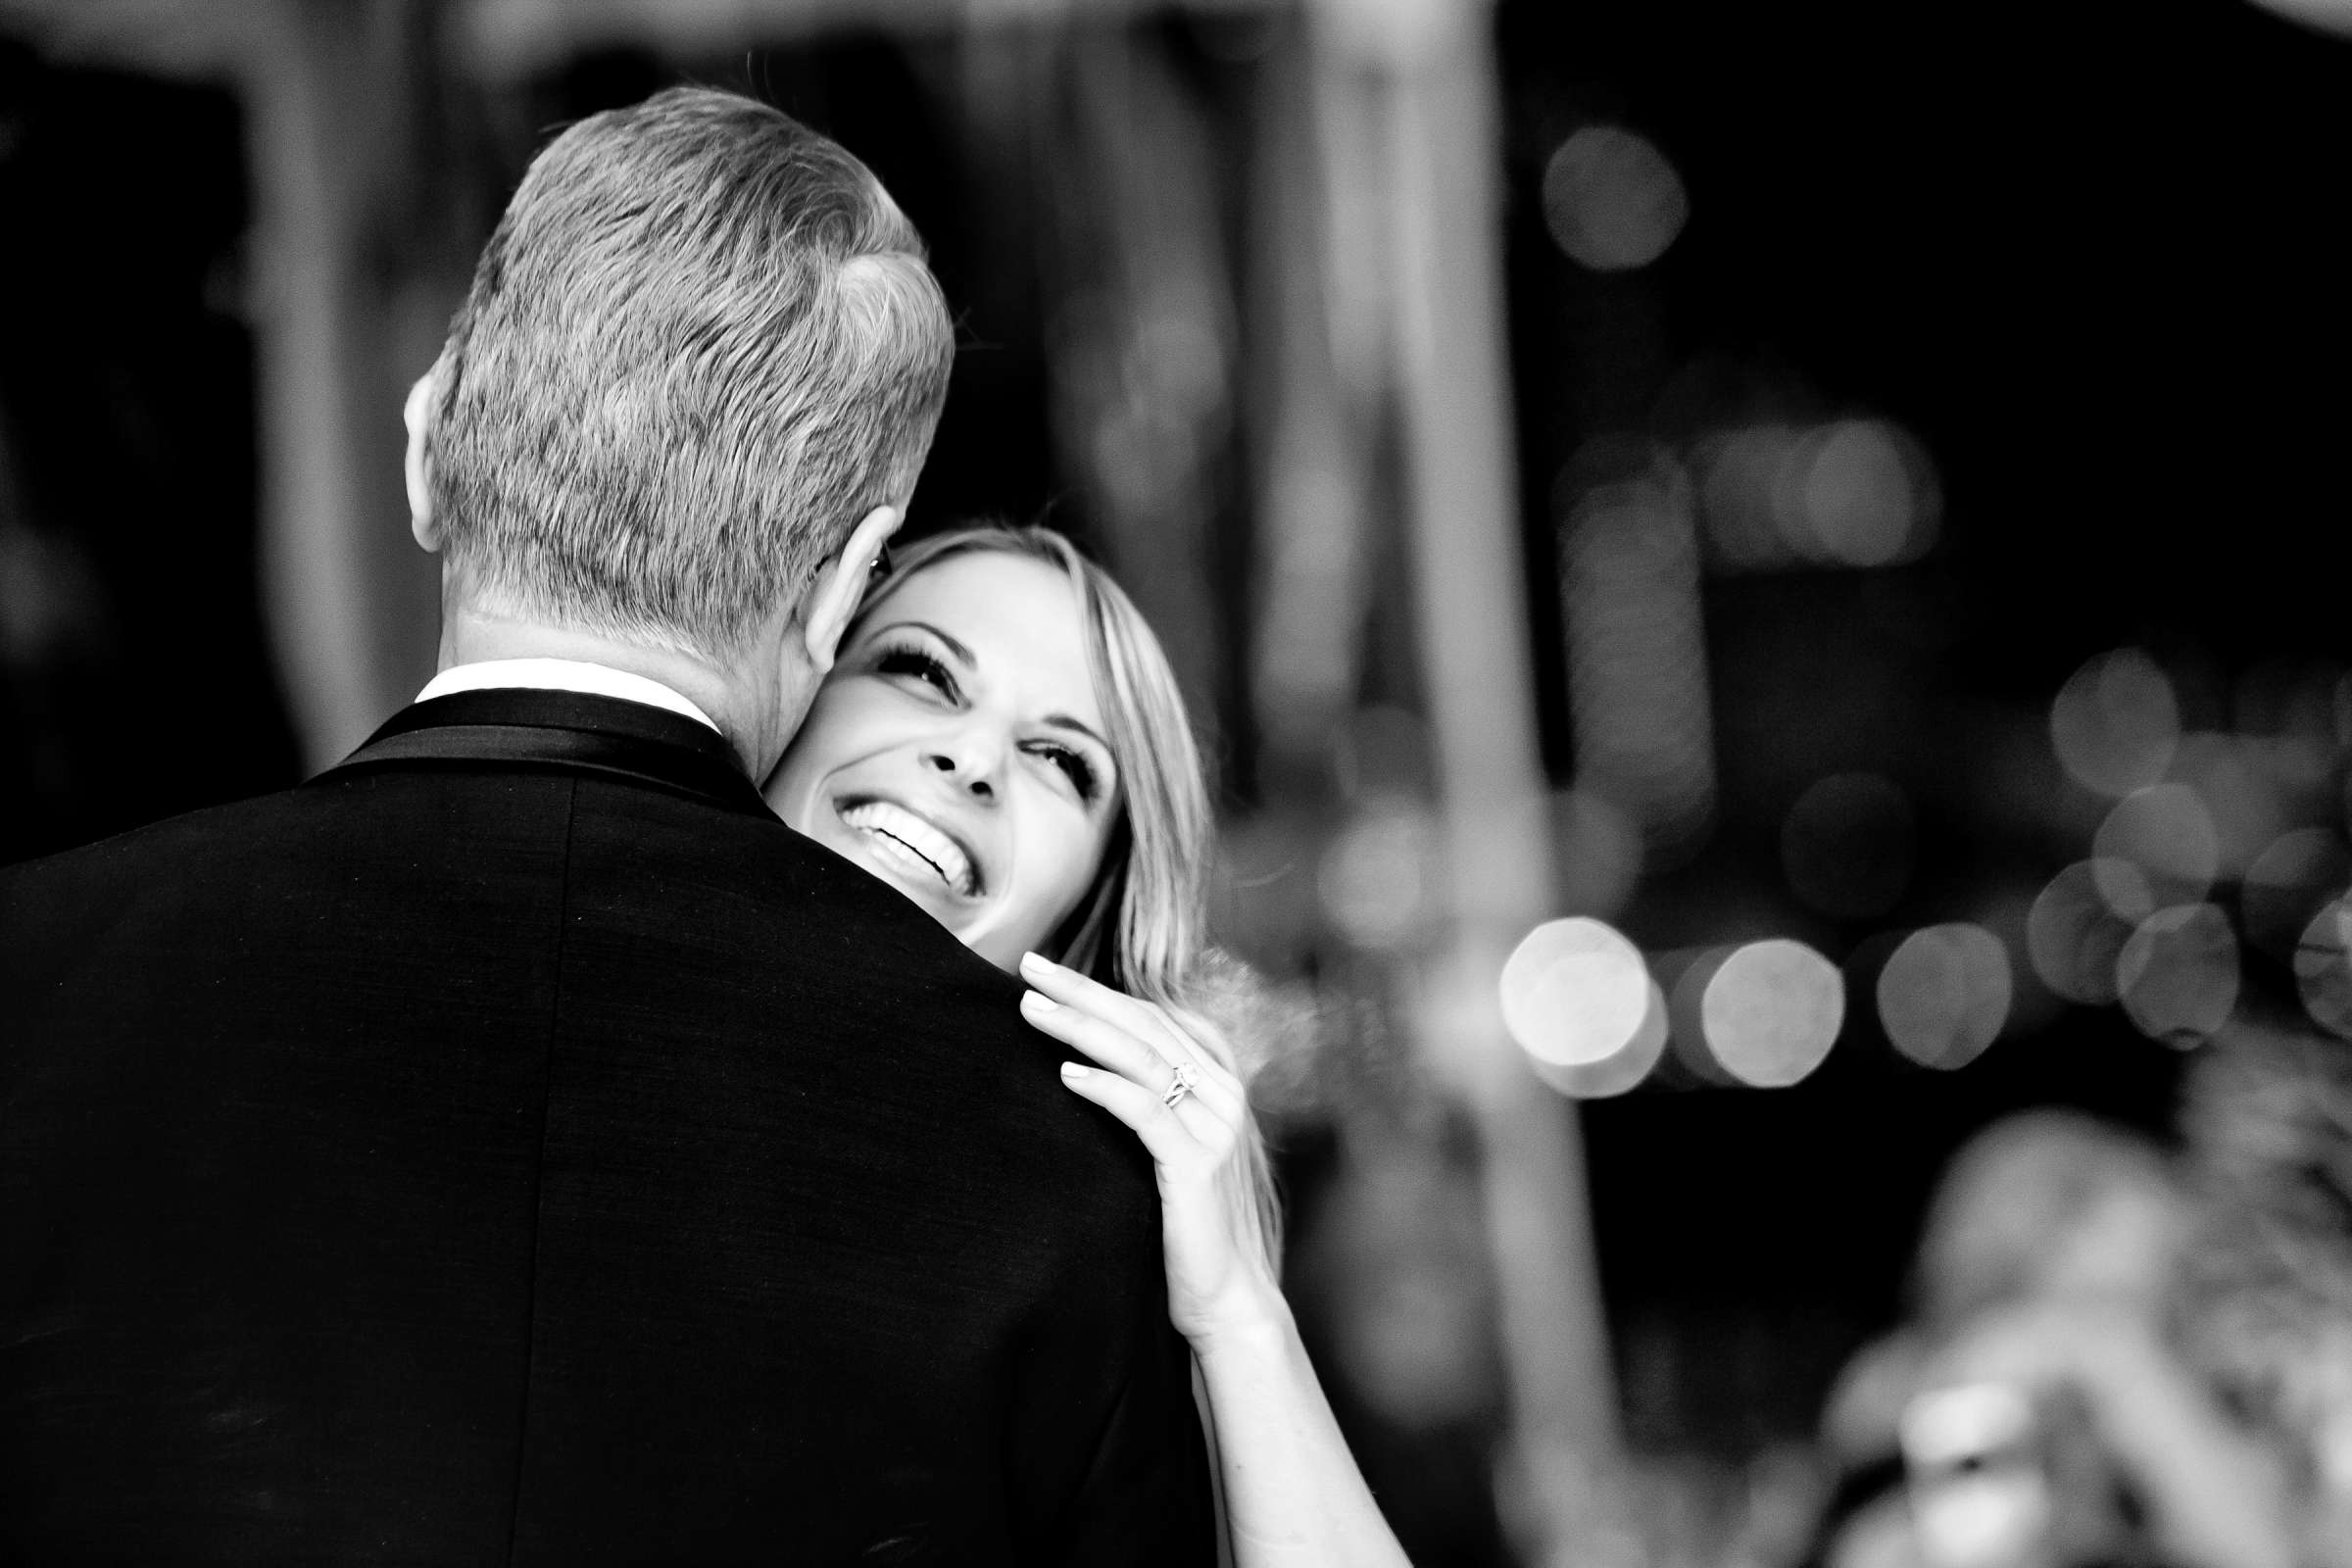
(913, 843)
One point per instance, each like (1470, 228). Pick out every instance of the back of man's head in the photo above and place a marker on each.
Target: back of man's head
(700, 346)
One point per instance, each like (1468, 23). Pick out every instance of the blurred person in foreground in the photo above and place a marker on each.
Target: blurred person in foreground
(1003, 741)
(517, 1145)
(2038, 1412)
(2266, 1291)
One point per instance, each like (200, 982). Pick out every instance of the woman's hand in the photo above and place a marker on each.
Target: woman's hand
(1217, 1282)
(1293, 1498)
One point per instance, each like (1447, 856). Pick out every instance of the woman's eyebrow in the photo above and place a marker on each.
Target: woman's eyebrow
(954, 646)
(1076, 727)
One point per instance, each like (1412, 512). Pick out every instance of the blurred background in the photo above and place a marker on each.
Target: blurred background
(1764, 586)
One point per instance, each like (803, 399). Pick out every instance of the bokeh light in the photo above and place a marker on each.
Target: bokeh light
(1944, 994)
(1620, 1070)
(1857, 492)
(1740, 476)
(1637, 641)
(1849, 845)
(2165, 831)
(1575, 991)
(2178, 976)
(2324, 968)
(1686, 975)
(1378, 877)
(1611, 199)
(1771, 1011)
(2077, 926)
(1863, 496)
(2239, 795)
(2289, 883)
(2116, 723)
(1382, 749)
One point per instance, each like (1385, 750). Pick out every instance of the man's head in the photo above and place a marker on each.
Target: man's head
(701, 350)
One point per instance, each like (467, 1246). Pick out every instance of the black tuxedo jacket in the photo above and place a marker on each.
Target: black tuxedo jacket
(514, 1146)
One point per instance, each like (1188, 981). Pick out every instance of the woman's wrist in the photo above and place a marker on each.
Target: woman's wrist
(1253, 1317)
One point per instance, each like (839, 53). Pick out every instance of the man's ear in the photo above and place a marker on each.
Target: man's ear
(418, 467)
(840, 587)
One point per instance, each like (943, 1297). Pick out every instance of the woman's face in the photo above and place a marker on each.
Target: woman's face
(956, 752)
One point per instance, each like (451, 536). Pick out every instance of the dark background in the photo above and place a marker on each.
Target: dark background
(2094, 258)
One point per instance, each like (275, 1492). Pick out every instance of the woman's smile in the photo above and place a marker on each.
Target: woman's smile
(917, 846)
(957, 750)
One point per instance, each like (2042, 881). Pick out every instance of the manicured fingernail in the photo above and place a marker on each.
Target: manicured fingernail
(1036, 965)
(1070, 1069)
(1038, 1002)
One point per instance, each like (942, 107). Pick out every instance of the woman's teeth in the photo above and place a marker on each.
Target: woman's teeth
(909, 840)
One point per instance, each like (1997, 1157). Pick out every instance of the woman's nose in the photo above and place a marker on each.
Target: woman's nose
(966, 771)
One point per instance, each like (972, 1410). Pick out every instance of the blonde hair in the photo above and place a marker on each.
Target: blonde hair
(1143, 925)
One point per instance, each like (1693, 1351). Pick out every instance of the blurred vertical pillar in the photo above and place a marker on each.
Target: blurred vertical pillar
(1141, 336)
(1433, 59)
(353, 604)
(1320, 388)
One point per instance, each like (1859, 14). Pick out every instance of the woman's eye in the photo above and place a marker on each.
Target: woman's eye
(1081, 773)
(913, 661)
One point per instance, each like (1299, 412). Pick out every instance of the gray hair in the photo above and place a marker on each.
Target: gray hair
(700, 344)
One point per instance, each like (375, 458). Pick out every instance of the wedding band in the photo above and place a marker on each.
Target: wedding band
(1180, 1086)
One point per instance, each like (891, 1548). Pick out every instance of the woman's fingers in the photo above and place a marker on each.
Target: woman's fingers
(1134, 1061)
(1108, 1044)
(1072, 989)
(1164, 1136)
(1192, 1144)
(1141, 1021)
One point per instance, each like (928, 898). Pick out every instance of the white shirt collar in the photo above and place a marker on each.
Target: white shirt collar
(561, 675)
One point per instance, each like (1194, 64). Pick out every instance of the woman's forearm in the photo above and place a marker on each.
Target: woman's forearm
(1293, 1492)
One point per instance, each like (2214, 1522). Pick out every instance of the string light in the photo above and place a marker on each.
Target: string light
(1863, 496)
(1636, 650)
(2324, 968)
(1574, 993)
(2177, 975)
(1686, 974)
(1620, 1070)
(2077, 926)
(1944, 994)
(1857, 492)
(1611, 199)
(2165, 831)
(1377, 878)
(1771, 1011)
(2228, 775)
(2116, 723)
(2289, 883)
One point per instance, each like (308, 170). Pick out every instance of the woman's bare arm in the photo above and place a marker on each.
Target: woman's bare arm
(1293, 1492)
(1294, 1495)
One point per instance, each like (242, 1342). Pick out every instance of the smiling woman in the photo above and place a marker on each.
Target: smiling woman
(1002, 738)
(958, 750)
